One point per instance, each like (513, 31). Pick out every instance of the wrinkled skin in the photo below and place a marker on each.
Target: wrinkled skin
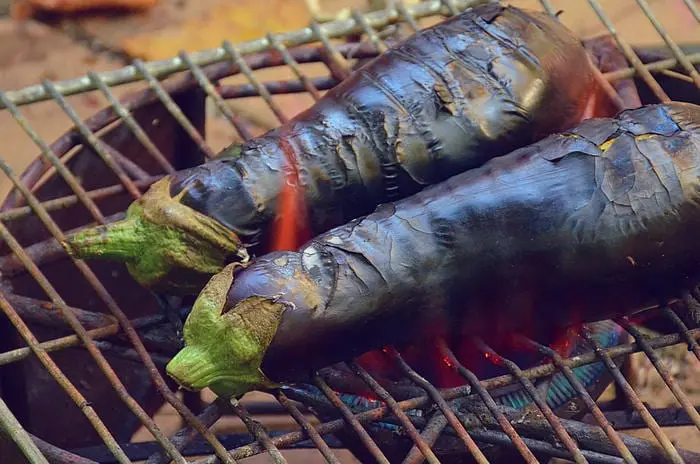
(452, 96)
(599, 221)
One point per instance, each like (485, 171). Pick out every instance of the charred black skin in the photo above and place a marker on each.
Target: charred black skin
(475, 86)
(599, 221)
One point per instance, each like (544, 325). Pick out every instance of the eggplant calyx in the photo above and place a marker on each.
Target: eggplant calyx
(224, 350)
(165, 244)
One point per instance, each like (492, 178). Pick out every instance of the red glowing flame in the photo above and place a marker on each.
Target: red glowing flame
(291, 228)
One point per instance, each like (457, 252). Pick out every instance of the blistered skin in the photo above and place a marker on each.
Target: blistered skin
(478, 85)
(586, 225)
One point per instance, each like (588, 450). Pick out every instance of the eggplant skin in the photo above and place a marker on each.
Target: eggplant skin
(477, 85)
(585, 225)
(474, 86)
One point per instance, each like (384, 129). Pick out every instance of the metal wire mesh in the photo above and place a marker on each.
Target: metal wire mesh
(86, 327)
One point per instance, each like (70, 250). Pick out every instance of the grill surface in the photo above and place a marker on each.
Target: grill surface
(82, 348)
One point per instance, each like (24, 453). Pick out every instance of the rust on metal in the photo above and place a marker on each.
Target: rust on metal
(125, 338)
(634, 399)
(489, 402)
(663, 371)
(351, 419)
(384, 395)
(587, 399)
(129, 120)
(444, 408)
(553, 420)
(308, 428)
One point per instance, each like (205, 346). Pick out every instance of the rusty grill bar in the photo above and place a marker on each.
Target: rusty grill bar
(467, 417)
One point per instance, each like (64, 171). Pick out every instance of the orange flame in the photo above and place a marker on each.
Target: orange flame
(291, 227)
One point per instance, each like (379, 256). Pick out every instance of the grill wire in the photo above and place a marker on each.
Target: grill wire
(467, 419)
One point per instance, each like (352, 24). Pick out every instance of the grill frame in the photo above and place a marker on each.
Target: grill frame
(181, 97)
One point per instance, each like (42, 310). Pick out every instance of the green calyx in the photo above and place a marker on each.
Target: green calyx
(165, 244)
(224, 348)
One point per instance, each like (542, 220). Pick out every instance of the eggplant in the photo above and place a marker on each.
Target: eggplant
(475, 86)
(590, 224)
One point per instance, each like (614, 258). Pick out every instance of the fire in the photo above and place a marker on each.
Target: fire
(291, 228)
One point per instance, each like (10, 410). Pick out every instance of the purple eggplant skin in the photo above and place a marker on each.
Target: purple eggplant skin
(478, 85)
(475, 86)
(586, 225)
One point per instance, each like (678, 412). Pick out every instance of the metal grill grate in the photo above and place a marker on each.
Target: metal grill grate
(56, 305)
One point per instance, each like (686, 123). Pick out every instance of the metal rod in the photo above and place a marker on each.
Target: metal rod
(59, 376)
(309, 429)
(49, 155)
(442, 405)
(693, 9)
(633, 398)
(131, 123)
(212, 92)
(371, 33)
(173, 109)
(294, 66)
(692, 344)
(240, 63)
(663, 371)
(451, 7)
(103, 329)
(657, 66)
(351, 420)
(677, 75)
(553, 420)
(431, 432)
(75, 324)
(184, 436)
(14, 430)
(406, 16)
(258, 431)
(630, 54)
(586, 397)
(70, 200)
(675, 49)
(489, 402)
(162, 68)
(547, 5)
(95, 143)
(337, 64)
(403, 419)
(56, 344)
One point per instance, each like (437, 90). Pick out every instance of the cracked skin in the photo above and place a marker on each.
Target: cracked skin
(475, 86)
(541, 237)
